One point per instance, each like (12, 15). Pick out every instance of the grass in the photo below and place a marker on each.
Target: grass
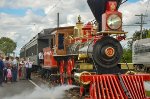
(148, 93)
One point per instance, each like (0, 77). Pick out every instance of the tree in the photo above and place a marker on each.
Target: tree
(7, 45)
(127, 54)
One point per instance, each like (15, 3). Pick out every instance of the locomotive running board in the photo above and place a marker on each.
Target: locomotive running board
(110, 87)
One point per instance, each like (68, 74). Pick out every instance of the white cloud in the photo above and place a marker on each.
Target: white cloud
(129, 11)
(25, 3)
(23, 28)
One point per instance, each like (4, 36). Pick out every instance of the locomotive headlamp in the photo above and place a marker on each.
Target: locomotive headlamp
(82, 77)
(114, 22)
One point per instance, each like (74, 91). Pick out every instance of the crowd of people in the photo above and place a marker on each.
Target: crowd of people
(14, 69)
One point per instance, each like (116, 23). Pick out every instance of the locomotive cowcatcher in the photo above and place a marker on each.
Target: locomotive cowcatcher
(88, 55)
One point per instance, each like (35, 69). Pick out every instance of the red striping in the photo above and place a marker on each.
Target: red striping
(95, 95)
(139, 86)
(110, 87)
(126, 84)
(132, 82)
(142, 85)
(99, 92)
(129, 88)
(118, 88)
(102, 87)
(114, 88)
(143, 96)
(136, 86)
(106, 88)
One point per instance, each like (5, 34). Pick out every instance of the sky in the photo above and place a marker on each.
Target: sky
(21, 20)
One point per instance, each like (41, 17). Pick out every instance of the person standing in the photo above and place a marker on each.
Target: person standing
(1, 71)
(28, 69)
(7, 64)
(22, 69)
(9, 74)
(15, 69)
(41, 58)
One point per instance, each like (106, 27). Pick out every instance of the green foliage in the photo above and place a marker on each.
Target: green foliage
(7, 45)
(148, 35)
(127, 54)
(148, 93)
(137, 35)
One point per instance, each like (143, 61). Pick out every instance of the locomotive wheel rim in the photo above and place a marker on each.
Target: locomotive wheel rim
(110, 51)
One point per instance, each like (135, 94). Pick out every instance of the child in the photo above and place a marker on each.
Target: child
(9, 74)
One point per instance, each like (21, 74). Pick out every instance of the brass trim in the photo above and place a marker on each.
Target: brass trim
(85, 66)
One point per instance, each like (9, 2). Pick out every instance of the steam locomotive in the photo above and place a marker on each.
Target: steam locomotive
(91, 48)
(88, 55)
